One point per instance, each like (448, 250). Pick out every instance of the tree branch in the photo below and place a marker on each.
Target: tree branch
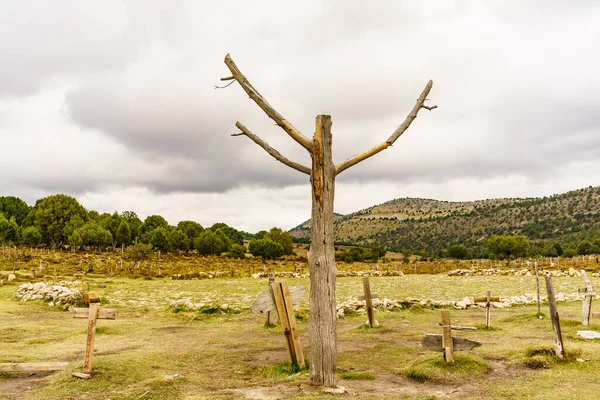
(265, 106)
(277, 155)
(390, 141)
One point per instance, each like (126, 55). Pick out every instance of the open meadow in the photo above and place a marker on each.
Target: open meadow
(220, 350)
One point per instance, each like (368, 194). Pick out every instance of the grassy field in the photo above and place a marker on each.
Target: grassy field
(153, 352)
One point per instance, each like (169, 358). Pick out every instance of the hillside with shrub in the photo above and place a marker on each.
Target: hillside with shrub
(568, 222)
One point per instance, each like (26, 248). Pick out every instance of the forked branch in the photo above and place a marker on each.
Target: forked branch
(277, 155)
(390, 141)
(265, 106)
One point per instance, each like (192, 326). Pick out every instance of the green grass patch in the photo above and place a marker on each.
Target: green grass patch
(286, 369)
(358, 376)
(543, 357)
(523, 318)
(437, 369)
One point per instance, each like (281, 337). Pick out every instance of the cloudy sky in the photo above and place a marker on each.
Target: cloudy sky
(113, 102)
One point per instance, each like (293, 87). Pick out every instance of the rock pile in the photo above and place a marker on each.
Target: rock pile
(56, 294)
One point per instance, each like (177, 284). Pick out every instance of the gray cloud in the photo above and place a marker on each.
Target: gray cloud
(515, 84)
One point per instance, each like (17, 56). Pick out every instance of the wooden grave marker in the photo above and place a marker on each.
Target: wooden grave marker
(281, 298)
(93, 313)
(271, 281)
(447, 343)
(283, 301)
(537, 290)
(560, 350)
(368, 298)
(488, 303)
(588, 291)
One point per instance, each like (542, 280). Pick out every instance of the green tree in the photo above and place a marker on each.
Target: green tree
(558, 248)
(233, 234)
(178, 240)
(508, 246)
(111, 224)
(191, 229)
(159, 239)
(458, 251)
(75, 222)
(138, 252)
(284, 239)
(123, 234)
(75, 239)
(584, 247)
(237, 251)
(31, 236)
(94, 235)
(52, 215)
(150, 224)
(208, 242)
(265, 248)
(12, 206)
(134, 223)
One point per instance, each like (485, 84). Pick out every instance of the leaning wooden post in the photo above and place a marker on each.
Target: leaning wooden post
(368, 301)
(537, 290)
(447, 343)
(587, 300)
(283, 301)
(560, 351)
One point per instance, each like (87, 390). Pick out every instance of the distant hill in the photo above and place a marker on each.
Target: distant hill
(430, 226)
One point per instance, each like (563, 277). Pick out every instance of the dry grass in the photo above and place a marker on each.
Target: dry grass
(234, 356)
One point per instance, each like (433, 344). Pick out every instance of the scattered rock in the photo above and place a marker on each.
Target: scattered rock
(335, 390)
(187, 303)
(11, 277)
(171, 377)
(82, 375)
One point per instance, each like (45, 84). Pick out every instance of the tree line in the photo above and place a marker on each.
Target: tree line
(60, 221)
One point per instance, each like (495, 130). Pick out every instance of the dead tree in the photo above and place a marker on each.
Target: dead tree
(321, 260)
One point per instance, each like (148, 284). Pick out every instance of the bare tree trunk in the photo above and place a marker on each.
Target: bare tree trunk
(321, 260)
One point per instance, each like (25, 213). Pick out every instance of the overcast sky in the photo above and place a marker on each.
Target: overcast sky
(112, 102)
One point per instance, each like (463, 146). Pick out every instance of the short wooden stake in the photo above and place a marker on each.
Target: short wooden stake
(447, 343)
(271, 280)
(587, 300)
(537, 290)
(368, 298)
(283, 301)
(487, 311)
(560, 351)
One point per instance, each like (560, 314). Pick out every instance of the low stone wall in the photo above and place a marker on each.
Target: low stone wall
(354, 305)
(571, 272)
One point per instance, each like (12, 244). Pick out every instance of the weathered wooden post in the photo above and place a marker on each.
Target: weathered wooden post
(283, 301)
(321, 257)
(92, 314)
(537, 290)
(447, 343)
(368, 298)
(560, 351)
(271, 280)
(588, 290)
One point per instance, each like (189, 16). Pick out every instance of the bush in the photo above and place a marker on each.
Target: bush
(137, 252)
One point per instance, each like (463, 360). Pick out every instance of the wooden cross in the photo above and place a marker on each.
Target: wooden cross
(92, 313)
(487, 300)
(368, 298)
(588, 290)
(445, 342)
